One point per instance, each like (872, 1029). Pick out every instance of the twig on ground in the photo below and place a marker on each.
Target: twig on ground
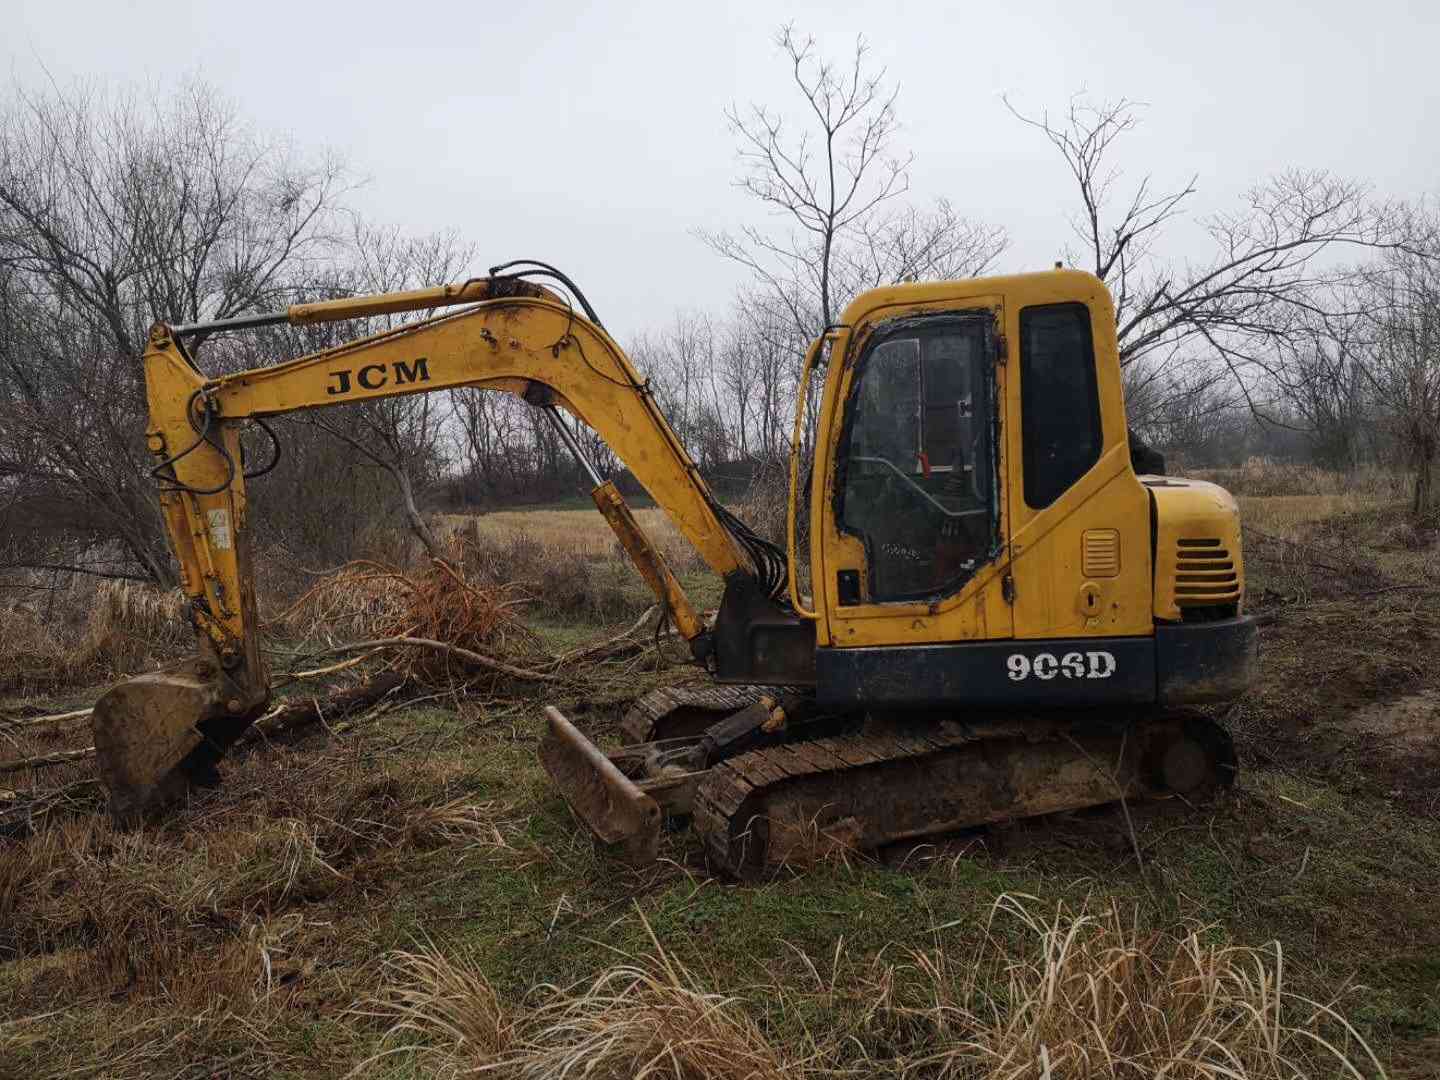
(60, 757)
(440, 646)
(1352, 569)
(600, 646)
(293, 716)
(38, 721)
(315, 673)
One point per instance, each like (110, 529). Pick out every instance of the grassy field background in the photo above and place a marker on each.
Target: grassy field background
(406, 896)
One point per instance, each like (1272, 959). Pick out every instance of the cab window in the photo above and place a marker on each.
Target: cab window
(916, 461)
(1059, 403)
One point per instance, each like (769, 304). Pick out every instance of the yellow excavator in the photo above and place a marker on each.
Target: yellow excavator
(1001, 618)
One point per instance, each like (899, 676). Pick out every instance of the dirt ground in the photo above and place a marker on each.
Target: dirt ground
(253, 933)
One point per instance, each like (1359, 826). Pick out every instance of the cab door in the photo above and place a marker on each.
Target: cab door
(1080, 520)
(912, 522)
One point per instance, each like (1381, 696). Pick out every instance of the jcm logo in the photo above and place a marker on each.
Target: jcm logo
(1073, 665)
(374, 376)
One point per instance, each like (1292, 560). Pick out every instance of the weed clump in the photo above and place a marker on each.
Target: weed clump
(1090, 995)
(650, 1017)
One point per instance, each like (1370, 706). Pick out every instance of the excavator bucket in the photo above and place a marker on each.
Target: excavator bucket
(160, 734)
(609, 802)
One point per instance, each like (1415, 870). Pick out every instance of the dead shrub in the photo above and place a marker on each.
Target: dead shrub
(1092, 996)
(439, 602)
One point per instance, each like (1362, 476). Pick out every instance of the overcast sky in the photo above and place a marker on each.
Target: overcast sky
(593, 136)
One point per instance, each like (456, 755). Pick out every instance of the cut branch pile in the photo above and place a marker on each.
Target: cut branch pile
(433, 626)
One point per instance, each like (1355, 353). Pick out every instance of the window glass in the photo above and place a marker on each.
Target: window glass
(1059, 404)
(917, 457)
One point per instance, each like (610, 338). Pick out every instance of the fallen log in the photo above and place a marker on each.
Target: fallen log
(295, 716)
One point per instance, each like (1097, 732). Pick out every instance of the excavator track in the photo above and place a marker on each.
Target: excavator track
(797, 802)
(676, 711)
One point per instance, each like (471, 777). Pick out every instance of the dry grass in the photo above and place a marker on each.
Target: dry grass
(650, 1017)
(572, 533)
(1288, 515)
(1092, 995)
(567, 582)
(448, 1004)
(569, 561)
(1081, 995)
(89, 630)
(213, 907)
(1260, 476)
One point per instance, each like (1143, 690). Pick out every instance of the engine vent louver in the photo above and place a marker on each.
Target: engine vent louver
(1205, 574)
(1100, 553)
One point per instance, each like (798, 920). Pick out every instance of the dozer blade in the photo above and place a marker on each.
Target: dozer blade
(608, 801)
(159, 734)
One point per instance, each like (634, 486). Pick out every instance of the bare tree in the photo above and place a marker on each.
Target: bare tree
(400, 435)
(910, 244)
(834, 178)
(762, 368)
(116, 210)
(1271, 257)
(1322, 373)
(681, 361)
(824, 181)
(1404, 292)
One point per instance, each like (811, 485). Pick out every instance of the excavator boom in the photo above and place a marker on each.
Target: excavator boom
(158, 734)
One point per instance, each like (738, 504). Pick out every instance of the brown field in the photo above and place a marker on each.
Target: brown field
(403, 895)
(569, 533)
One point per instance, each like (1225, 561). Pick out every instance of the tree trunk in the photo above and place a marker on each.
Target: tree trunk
(1424, 483)
(418, 525)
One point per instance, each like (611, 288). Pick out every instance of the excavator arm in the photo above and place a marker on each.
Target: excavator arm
(158, 734)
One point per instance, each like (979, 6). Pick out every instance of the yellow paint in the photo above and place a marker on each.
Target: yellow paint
(978, 610)
(647, 559)
(533, 346)
(792, 501)
(1044, 550)
(1079, 567)
(1198, 560)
